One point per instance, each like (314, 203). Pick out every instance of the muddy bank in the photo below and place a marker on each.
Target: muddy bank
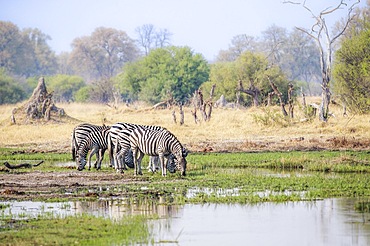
(68, 184)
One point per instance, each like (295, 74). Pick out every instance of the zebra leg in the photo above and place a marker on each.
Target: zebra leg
(151, 167)
(119, 156)
(115, 159)
(138, 163)
(163, 165)
(150, 164)
(101, 158)
(109, 145)
(93, 151)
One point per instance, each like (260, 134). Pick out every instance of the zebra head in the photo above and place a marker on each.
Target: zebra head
(180, 161)
(171, 164)
(81, 162)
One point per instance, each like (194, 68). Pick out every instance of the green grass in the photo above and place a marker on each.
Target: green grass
(278, 176)
(75, 230)
(8, 154)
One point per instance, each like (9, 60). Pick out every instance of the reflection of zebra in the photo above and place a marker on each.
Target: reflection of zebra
(80, 133)
(95, 141)
(119, 134)
(156, 143)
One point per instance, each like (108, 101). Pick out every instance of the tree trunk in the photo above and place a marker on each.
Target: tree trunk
(181, 116)
(290, 100)
(325, 101)
(278, 93)
(174, 116)
(252, 91)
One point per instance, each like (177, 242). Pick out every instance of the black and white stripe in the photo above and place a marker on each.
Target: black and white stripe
(159, 143)
(154, 164)
(119, 134)
(95, 141)
(80, 133)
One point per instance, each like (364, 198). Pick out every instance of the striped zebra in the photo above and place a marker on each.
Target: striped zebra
(96, 141)
(159, 143)
(119, 134)
(80, 133)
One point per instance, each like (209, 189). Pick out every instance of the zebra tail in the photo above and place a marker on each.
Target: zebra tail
(74, 145)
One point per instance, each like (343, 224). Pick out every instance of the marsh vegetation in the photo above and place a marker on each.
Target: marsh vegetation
(233, 160)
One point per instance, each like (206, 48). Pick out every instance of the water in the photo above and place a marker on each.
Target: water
(326, 222)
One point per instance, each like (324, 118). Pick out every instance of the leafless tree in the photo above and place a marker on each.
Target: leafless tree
(321, 33)
(146, 37)
(150, 38)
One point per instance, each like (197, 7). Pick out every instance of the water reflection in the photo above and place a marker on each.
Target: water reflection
(117, 209)
(114, 208)
(326, 222)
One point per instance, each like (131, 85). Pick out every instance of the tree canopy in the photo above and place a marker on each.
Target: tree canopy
(103, 54)
(253, 70)
(352, 72)
(170, 72)
(25, 53)
(10, 90)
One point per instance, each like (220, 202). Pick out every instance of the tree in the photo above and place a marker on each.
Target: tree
(64, 86)
(170, 72)
(9, 43)
(325, 42)
(103, 54)
(150, 38)
(25, 53)
(294, 52)
(10, 90)
(239, 44)
(248, 74)
(352, 72)
(301, 59)
(43, 60)
(273, 39)
(100, 56)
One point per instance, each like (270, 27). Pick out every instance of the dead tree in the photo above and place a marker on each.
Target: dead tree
(251, 91)
(304, 104)
(290, 100)
(205, 107)
(181, 115)
(325, 42)
(23, 165)
(174, 116)
(279, 95)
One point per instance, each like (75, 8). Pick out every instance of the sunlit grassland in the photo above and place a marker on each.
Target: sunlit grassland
(226, 125)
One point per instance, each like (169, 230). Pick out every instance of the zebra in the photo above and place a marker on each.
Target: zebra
(119, 134)
(96, 141)
(159, 143)
(80, 133)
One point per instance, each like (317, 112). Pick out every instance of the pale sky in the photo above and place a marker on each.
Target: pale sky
(207, 26)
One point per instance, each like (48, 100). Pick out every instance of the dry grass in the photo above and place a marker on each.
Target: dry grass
(228, 130)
